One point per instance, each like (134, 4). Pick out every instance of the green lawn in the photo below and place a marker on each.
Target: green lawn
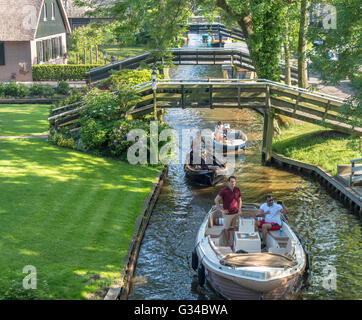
(69, 214)
(316, 145)
(20, 119)
(122, 53)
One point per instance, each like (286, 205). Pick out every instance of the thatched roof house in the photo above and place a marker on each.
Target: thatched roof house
(31, 32)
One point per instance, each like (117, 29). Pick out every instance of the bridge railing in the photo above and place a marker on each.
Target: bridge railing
(321, 109)
(183, 56)
(356, 171)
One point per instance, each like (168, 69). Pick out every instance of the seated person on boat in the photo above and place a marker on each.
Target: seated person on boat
(271, 213)
(219, 132)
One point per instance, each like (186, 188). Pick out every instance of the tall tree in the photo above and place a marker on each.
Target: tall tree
(302, 44)
(290, 37)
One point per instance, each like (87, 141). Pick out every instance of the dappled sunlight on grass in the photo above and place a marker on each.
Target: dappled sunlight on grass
(17, 119)
(72, 214)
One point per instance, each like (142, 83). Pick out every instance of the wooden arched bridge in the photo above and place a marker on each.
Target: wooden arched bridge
(186, 56)
(270, 97)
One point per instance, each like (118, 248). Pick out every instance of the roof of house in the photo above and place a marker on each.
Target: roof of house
(19, 19)
(81, 12)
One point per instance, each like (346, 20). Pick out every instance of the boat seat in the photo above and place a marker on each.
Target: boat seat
(288, 249)
(214, 232)
(276, 235)
(222, 251)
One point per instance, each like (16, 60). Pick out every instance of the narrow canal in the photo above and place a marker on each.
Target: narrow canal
(330, 233)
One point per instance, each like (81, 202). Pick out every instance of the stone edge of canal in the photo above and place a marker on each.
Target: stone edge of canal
(335, 188)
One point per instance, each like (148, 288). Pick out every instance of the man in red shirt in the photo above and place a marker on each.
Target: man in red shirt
(231, 201)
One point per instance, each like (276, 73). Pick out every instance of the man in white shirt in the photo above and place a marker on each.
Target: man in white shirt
(271, 211)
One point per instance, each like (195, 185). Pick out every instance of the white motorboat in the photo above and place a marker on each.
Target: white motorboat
(244, 270)
(234, 141)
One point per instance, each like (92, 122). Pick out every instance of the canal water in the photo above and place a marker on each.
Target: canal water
(330, 233)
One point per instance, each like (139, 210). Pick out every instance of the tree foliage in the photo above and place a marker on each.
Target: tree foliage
(344, 41)
(159, 22)
(86, 37)
(338, 53)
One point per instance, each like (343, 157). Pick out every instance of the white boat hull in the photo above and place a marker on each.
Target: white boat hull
(250, 282)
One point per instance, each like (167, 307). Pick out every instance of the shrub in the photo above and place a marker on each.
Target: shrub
(63, 88)
(118, 143)
(61, 72)
(48, 91)
(62, 141)
(75, 96)
(93, 134)
(131, 77)
(128, 77)
(2, 90)
(23, 91)
(101, 105)
(37, 90)
(11, 89)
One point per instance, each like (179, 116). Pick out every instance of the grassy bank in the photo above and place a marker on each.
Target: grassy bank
(23, 119)
(69, 214)
(317, 145)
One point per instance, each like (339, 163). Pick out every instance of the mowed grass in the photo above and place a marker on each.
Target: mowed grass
(317, 145)
(122, 53)
(69, 214)
(23, 119)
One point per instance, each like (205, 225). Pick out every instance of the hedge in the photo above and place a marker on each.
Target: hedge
(59, 72)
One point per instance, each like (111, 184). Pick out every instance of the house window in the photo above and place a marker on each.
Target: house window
(60, 46)
(2, 53)
(46, 50)
(50, 49)
(39, 51)
(53, 11)
(54, 48)
(45, 12)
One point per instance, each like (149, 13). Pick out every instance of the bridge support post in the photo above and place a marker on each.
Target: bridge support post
(268, 130)
(154, 105)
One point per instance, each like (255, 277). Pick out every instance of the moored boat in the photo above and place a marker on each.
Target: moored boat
(243, 270)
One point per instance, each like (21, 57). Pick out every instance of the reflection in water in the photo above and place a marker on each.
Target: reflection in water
(330, 233)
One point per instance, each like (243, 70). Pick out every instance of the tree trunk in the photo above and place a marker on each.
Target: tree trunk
(245, 23)
(288, 79)
(302, 45)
